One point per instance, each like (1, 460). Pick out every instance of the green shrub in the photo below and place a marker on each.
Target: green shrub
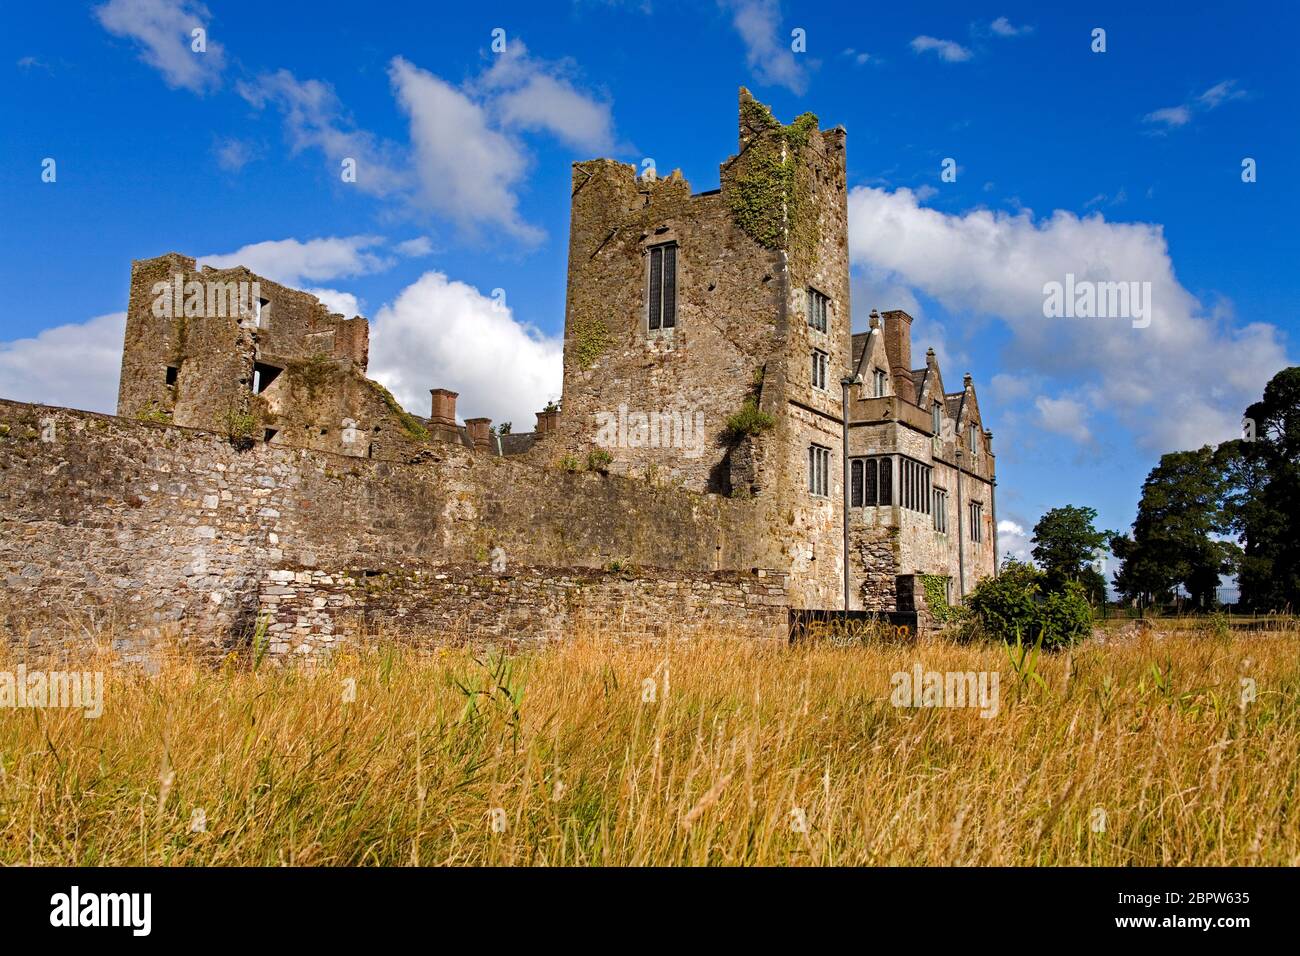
(1013, 605)
(570, 464)
(240, 424)
(599, 460)
(750, 420)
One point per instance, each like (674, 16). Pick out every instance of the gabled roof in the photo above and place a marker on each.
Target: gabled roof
(859, 342)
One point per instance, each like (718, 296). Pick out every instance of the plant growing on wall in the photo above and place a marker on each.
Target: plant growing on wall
(155, 413)
(767, 196)
(935, 587)
(588, 339)
(241, 425)
(750, 420)
(409, 424)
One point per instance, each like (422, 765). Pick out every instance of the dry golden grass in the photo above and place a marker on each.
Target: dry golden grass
(554, 758)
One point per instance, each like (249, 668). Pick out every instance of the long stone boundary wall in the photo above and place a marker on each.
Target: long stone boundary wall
(308, 611)
(132, 527)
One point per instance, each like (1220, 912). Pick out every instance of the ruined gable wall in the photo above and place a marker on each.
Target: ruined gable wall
(320, 398)
(153, 525)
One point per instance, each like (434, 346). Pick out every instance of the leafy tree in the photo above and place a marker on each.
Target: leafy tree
(1065, 543)
(1173, 537)
(1262, 500)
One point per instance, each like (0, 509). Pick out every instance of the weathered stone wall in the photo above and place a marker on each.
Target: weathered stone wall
(151, 525)
(310, 611)
(702, 369)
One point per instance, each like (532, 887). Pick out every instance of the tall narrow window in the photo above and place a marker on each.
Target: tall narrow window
(871, 487)
(663, 287)
(879, 376)
(817, 310)
(819, 359)
(855, 483)
(914, 485)
(940, 511)
(974, 441)
(936, 418)
(886, 481)
(819, 466)
(976, 522)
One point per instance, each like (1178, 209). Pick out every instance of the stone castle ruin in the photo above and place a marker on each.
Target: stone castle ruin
(255, 480)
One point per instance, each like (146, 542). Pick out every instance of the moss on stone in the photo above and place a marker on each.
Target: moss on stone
(409, 424)
(768, 197)
(589, 338)
(313, 373)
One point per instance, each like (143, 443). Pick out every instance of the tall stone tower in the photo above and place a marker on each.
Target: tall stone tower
(706, 334)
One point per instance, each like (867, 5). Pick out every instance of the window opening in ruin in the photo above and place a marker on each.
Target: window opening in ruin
(263, 376)
(172, 373)
(870, 482)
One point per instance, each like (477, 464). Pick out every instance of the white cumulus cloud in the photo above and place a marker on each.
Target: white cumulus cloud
(74, 366)
(293, 262)
(441, 333)
(1014, 540)
(468, 171)
(1178, 383)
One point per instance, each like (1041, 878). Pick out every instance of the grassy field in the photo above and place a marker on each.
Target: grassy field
(1133, 751)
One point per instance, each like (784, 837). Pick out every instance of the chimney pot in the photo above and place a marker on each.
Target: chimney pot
(479, 434)
(547, 421)
(444, 407)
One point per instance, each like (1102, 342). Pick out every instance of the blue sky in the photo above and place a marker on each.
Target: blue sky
(1123, 165)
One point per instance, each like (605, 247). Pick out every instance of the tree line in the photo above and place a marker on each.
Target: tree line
(1196, 507)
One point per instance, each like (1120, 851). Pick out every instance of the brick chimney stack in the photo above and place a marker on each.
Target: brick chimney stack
(479, 433)
(547, 421)
(444, 407)
(898, 347)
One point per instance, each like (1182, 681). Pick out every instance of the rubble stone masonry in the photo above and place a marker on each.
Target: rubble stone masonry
(136, 525)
